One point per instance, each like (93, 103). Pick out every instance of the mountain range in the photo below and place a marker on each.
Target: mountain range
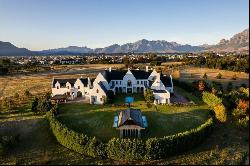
(238, 43)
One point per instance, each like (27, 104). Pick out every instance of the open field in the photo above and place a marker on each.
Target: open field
(193, 73)
(163, 120)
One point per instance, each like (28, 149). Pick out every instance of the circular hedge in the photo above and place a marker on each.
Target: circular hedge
(126, 148)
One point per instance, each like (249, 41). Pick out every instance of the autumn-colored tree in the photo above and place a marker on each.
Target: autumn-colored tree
(201, 85)
(220, 113)
(243, 105)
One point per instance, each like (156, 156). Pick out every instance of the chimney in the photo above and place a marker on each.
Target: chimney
(110, 69)
(146, 68)
(89, 82)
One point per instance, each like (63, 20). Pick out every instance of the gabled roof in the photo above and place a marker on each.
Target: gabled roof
(140, 74)
(119, 74)
(63, 82)
(84, 81)
(130, 117)
(103, 87)
(114, 74)
(166, 80)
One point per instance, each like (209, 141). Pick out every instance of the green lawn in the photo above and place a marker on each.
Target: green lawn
(97, 120)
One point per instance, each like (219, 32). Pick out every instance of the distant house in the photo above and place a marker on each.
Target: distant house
(118, 81)
(130, 122)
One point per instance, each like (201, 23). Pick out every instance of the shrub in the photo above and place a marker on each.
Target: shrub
(16, 95)
(210, 99)
(110, 96)
(204, 76)
(27, 93)
(220, 113)
(219, 76)
(149, 96)
(243, 123)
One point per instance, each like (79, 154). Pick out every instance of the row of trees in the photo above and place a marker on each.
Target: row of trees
(233, 63)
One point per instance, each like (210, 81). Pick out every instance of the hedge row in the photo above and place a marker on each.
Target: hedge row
(158, 148)
(129, 149)
(75, 141)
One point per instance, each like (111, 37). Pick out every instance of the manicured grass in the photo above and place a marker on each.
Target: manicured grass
(97, 120)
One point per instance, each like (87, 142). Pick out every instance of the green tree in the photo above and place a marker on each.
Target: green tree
(204, 76)
(149, 96)
(219, 76)
(34, 105)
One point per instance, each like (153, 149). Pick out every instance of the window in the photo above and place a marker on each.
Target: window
(68, 87)
(129, 83)
(145, 83)
(138, 82)
(141, 82)
(57, 87)
(78, 87)
(101, 99)
(120, 82)
(116, 82)
(97, 91)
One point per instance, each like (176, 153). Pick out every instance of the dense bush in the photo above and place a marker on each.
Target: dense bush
(215, 103)
(75, 141)
(220, 113)
(149, 96)
(210, 99)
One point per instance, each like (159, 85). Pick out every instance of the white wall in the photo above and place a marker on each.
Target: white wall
(100, 78)
(163, 98)
(96, 95)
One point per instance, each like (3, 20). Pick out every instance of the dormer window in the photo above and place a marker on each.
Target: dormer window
(78, 87)
(57, 87)
(97, 91)
(68, 87)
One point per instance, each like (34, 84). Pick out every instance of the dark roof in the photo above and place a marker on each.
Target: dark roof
(103, 87)
(114, 74)
(84, 81)
(166, 80)
(63, 82)
(119, 74)
(130, 117)
(159, 91)
(140, 74)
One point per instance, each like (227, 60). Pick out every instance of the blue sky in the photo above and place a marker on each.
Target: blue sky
(43, 24)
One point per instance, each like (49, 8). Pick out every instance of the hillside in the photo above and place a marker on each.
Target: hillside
(238, 43)
(8, 49)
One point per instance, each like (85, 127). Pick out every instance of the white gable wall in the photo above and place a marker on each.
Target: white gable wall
(97, 98)
(100, 78)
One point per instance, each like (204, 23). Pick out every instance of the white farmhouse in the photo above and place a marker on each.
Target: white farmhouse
(118, 81)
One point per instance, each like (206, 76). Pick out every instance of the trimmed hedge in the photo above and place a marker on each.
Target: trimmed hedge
(158, 148)
(129, 149)
(75, 141)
